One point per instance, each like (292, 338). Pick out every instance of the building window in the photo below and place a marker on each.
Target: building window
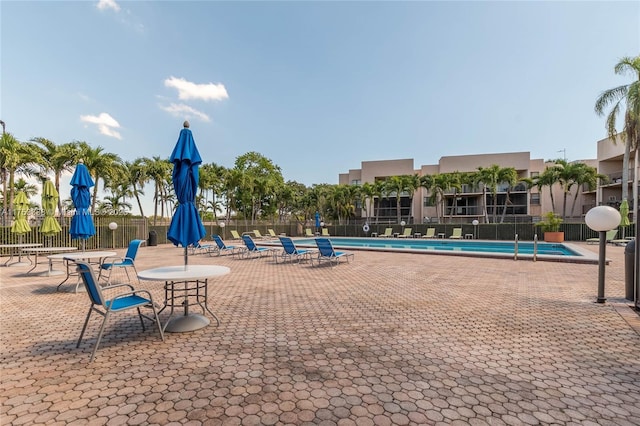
(355, 182)
(535, 199)
(426, 202)
(535, 174)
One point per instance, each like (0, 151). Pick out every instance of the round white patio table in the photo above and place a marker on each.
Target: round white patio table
(38, 250)
(16, 250)
(80, 255)
(180, 284)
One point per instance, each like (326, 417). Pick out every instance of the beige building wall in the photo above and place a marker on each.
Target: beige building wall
(526, 167)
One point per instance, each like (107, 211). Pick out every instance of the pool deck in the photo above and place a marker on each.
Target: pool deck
(390, 339)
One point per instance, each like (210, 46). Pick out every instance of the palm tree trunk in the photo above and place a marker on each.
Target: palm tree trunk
(625, 170)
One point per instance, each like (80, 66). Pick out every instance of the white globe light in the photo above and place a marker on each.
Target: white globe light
(403, 223)
(475, 222)
(602, 218)
(222, 224)
(113, 226)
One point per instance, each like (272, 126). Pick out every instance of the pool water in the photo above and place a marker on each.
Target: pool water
(470, 246)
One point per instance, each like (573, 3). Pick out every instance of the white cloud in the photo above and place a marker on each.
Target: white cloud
(188, 90)
(108, 4)
(106, 124)
(184, 111)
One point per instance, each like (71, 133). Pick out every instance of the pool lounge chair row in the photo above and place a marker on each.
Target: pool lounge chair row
(610, 238)
(289, 252)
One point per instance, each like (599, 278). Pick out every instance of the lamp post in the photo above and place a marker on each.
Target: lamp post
(113, 226)
(222, 225)
(602, 219)
(475, 228)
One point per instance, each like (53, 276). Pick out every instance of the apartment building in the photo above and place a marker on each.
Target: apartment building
(610, 163)
(468, 204)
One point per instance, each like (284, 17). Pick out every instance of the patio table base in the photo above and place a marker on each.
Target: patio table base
(190, 322)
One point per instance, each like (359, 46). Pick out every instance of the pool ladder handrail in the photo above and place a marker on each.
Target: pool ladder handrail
(535, 247)
(515, 248)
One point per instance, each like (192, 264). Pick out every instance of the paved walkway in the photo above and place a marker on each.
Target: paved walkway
(391, 339)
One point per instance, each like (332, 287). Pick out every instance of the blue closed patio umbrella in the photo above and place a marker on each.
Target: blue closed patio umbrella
(81, 223)
(317, 221)
(186, 227)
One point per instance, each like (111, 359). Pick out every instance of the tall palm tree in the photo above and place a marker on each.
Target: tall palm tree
(625, 96)
(586, 175)
(549, 177)
(29, 189)
(136, 177)
(159, 171)
(57, 159)
(14, 155)
(397, 185)
(368, 192)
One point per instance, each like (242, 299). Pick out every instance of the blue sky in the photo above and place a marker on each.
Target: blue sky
(317, 87)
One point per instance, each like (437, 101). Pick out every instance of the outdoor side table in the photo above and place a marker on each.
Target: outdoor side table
(185, 286)
(68, 258)
(38, 250)
(417, 235)
(468, 236)
(440, 234)
(16, 250)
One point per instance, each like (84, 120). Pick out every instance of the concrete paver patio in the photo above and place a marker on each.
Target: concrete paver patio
(390, 339)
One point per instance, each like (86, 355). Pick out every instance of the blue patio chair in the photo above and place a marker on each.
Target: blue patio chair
(291, 252)
(199, 248)
(221, 247)
(128, 300)
(128, 261)
(252, 249)
(328, 254)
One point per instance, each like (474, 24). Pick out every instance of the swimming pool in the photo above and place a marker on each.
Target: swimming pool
(545, 251)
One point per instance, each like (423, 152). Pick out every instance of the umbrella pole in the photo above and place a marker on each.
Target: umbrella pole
(186, 257)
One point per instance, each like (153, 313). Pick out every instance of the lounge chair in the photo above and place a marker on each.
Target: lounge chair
(109, 264)
(235, 235)
(199, 248)
(408, 233)
(610, 236)
(128, 300)
(387, 233)
(325, 232)
(221, 247)
(272, 233)
(252, 249)
(328, 254)
(258, 234)
(308, 232)
(291, 252)
(431, 233)
(456, 234)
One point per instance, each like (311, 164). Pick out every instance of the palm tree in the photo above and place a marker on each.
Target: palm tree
(137, 178)
(368, 192)
(13, 156)
(491, 177)
(29, 189)
(549, 177)
(626, 95)
(159, 171)
(397, 185)
(509, 176)
(57, 159)
(586, 175)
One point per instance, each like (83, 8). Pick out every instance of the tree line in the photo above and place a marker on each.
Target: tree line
(254, 188)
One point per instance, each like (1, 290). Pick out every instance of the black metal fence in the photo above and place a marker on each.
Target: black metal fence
(129, 228)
